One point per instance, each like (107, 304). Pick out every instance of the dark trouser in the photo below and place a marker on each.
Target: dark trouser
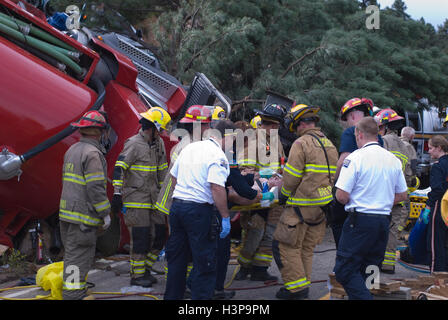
(336, 220)
(363, 243)
(189, 238)
(437, 236)
(222, 261)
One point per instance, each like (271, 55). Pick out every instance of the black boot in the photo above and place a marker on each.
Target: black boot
(243, 273)
(285, 294)
(142, 282)
(150, 277)
(223, 295)
(261, 274)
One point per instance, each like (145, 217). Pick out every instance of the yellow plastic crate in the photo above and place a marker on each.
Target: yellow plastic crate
(416, 205)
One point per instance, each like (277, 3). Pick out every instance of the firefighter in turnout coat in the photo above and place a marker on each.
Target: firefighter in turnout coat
(389, 123)
(84, 206)
(138, 175)
(255, 256)
(307, 187)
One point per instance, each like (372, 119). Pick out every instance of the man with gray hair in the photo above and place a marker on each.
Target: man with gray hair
(407, 136)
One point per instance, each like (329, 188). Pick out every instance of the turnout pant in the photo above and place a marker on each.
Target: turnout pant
(190, 225)
(294, 253)
(257, 244)
(147, 237)
(397, 217)
(79, 243)
(362, 244)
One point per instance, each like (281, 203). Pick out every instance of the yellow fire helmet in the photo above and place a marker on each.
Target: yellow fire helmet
(159, 117)
(445, 123)
(255, 122)
(218, 113)
(298, 112)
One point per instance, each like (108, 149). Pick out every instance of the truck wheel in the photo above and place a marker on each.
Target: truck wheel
(107, 244)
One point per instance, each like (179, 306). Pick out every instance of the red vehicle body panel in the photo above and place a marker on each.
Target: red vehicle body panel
(36, 102)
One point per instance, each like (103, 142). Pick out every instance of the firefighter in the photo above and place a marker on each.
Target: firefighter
(255, 122)
(307, 186)
(138, 175)
(390, 122)
(218, 114)
(84, 206)
(255, 256)
(352, 112)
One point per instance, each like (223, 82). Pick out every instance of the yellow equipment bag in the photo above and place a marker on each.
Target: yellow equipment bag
(444, 208)
(49, 277)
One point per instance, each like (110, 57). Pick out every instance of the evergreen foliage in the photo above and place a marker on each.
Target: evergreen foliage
(316, 52)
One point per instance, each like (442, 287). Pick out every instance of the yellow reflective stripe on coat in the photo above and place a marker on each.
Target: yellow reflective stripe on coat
(162, 166)
(74, 285)
(285, 192)
(122, 164)
(403, 158)
(293, 171)
(138, 205)
(297, 284)
(79, 217)
(160, 208)
(101, 206)
(71, 177)
(273, 165)
(309, 201)
(319, 168)
(248, 162)
(97, 176)
(143, 168)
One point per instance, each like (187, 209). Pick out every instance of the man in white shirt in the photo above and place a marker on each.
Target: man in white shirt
(200, 171)
(371, 181)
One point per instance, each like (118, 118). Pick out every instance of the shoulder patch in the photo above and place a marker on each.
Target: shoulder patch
(346, 163)
(223, 163)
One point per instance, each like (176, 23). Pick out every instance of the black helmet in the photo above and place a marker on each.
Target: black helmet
(273, 112)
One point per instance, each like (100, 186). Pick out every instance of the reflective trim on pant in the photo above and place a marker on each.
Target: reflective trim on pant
(298, 284)
(295, 262)
(137, 268)
(79, 243)
(151, 259)
(389, 259)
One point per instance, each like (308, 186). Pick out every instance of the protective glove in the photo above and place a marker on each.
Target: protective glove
(268, 196)
(225, 227)
(424, 215)
(106, 223)
(117, 203)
